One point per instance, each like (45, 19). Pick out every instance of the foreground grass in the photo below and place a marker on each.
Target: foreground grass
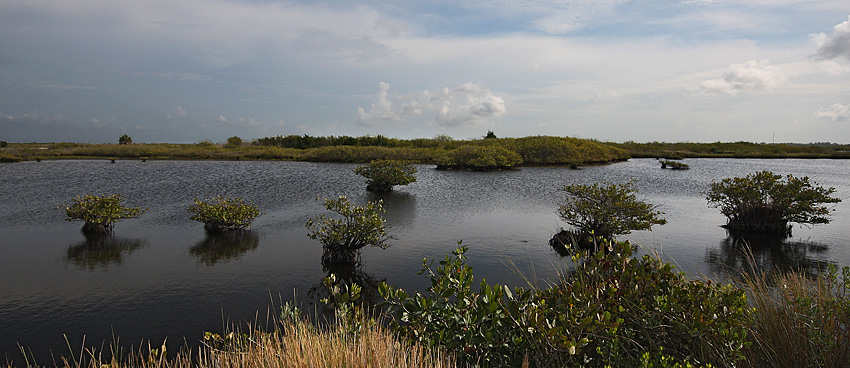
(799, 321)
(293, 344)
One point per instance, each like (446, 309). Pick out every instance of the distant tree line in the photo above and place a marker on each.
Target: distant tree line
(306, 141)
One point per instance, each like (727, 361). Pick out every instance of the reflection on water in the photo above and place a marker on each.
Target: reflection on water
(101, 250)
(223, 247)
(400, 207)
(346, 275)
(747, 252)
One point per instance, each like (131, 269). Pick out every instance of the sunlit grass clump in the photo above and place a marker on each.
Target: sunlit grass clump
(294, 343)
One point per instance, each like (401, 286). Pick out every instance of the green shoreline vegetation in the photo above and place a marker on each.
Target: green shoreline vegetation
(538, 150)
(735, 150)
(441, 150)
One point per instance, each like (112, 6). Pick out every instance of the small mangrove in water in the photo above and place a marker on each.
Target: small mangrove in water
(674, 165)
(765, 202)
(220, 214)
(384, 174)
(598, 212)
(343, 238)
(100, 213)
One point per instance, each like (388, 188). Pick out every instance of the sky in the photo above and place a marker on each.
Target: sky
(184, 71)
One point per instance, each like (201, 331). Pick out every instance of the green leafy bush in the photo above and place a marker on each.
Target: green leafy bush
(674, 165)
(100, 213)
(233, 142)
(546, 150)
(125, 139)
(766, 202)
(601, 211)
(343, 238)
(611, 311)
(384, 174)
(221, 214)
(479, 157)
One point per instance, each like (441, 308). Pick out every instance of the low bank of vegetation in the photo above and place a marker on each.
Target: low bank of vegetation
(539, 150)
(734, 150)
(441, 150)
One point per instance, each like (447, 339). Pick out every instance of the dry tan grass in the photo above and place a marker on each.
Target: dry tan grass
(304, 345)
(294, 344)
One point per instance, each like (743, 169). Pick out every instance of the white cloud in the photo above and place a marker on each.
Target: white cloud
(464, 105)
(835, 46)
(222, 119)
(381, 111)
(836, 112)
(467, 104)
(749, 76)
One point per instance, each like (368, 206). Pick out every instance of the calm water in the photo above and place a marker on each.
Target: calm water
(161, 277)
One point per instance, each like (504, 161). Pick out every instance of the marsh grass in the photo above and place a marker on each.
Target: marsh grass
(293, 343)
(798, 320)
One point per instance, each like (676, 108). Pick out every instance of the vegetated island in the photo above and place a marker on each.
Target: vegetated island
(443, 151)
(489, 153)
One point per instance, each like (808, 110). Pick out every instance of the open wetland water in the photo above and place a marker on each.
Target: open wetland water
(161, 277)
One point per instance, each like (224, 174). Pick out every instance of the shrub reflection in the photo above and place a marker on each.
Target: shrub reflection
(101, 250)
(225, 246)
(346, 275)
(742, 252)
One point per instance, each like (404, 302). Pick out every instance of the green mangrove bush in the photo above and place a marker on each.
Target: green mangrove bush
(615, 309)
(343, 238)
(765, 202)
(382, 175)
(601, 211)
(233, 142)
(221, 214)
(100, 213)
(674, 165)
(479, 157)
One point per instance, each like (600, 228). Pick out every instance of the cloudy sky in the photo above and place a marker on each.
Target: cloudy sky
(615, 70)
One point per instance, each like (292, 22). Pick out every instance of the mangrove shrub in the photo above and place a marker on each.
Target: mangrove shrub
(100, 213)
(601, 211)
(765, 202)
(384, 174)
(479, 157)
(612, 311)
(343, 238)
(125, 139)
(220, 214)
(233, 142)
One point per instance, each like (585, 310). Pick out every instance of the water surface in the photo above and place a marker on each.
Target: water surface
(161, 277)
